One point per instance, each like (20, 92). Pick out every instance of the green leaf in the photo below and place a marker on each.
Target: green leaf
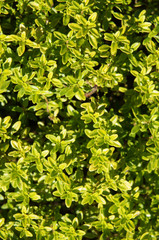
(93, 17)
(21, 93)
(133, 60)
(76, 53)
(4, 85)
(60, 7)
(94, 32)
(64, 91)
(59, 185)
(34, 196)
(28, 233)
(71, 110)
(68, 200)
(15, 144)
(51, 137)
(124, 185)
(118, 15)
(135, 46)
(39, 165)
(145, 236)
(114, 47)
(57, 82)
(33, 216)
(3, 234)
(115, 144)
(113, 209)
(108, 37)
(50, 3)
(16, 126)
(66, 19)
(91, 134)
(81, 19)
(21, 49)
(104, 48)
(70, 92)
(18, 216)
(2, 220)
(91, 143)
(65, 58)
(34, 5)
(63, 50)
(129, 226)
(93, 41)
(145, 26)
(80, 95)
(99, 140)
(74, 26)
(135, 129)
(87, 199)
(100, 199)
(60, 36)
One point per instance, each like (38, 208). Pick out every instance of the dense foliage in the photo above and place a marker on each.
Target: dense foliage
(79, 126)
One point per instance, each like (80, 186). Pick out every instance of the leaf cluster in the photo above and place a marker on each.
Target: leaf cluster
(79, 125)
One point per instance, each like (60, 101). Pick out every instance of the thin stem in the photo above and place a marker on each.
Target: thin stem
(47, 108)
(89, 94)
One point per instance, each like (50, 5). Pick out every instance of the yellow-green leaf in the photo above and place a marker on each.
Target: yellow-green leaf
(93, 41)
(114, 47)
(74, 26)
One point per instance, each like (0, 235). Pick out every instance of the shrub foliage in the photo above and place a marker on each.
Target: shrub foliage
(79, 126)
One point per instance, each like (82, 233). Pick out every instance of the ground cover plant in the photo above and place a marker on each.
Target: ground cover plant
(79, 122)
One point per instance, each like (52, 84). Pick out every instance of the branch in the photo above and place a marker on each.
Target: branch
(89, 94)
(47, 108)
